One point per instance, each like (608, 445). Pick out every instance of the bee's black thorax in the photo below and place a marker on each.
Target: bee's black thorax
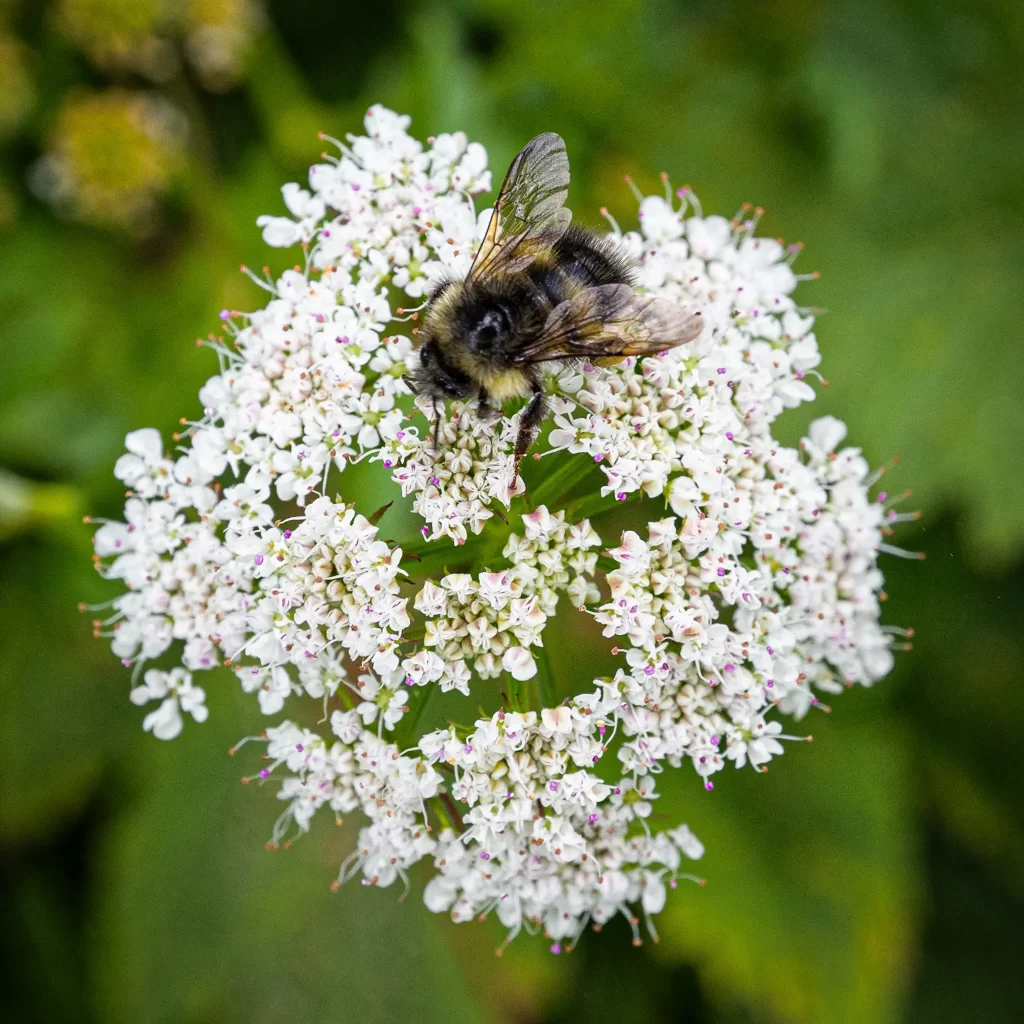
(492, 316)
(474, 331)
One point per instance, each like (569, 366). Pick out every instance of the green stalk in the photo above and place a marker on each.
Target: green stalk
(406, 731)
(26, 504)
(442, 559)
(553, 489)
(515, 691)
(545, 678)
(449, 804)
(590, 505)
(490, 552)
(415, 545)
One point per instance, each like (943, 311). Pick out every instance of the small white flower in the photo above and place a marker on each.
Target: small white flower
(177, 694)
(145, 444)
(280, 232)
(658, 221)
(519, 663)
(827, 433)
(690, 845)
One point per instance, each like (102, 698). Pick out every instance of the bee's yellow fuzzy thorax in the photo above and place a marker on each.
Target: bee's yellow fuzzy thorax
(506, 384)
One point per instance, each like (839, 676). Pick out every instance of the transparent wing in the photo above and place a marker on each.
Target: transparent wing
(529, 214)
(611, 321)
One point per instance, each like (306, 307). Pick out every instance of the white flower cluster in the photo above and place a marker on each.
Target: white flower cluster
(758, 592)
(496, 618)
(453, 492)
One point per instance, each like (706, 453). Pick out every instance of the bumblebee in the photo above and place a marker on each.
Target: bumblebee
(541, 291)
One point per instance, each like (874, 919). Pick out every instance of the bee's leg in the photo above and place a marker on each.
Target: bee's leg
(533, 416)
(485, 410)
(437, 425)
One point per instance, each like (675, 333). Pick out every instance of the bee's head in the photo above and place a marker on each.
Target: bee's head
(435, 377)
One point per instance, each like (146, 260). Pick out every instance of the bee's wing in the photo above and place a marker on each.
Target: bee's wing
(528, 214)
(611, 320)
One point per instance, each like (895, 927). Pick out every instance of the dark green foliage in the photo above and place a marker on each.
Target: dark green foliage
(874, 876)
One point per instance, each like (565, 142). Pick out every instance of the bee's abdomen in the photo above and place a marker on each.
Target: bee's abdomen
(589, 260)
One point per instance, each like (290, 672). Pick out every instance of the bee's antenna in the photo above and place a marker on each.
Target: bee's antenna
(437, 425)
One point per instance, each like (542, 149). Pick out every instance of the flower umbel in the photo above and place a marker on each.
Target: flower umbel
(750, 590)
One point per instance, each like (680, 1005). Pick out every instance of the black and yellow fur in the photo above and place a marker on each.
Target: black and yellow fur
(475, 331)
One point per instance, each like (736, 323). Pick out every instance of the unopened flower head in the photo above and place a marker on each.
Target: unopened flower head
(751, 591)
(154, 38)
(112, 155)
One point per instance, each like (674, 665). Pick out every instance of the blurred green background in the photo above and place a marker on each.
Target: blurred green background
(876, 876)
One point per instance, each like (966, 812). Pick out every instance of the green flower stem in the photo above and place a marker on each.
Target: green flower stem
(446, 811)
(516, 694)
(590, 505)
(413, 545)
(344, 695)
(545, 680)
(26, 504)
(443, 559)
(495, 539)
(484, 552)
(555, 487)
(449, 805)
(406, 733)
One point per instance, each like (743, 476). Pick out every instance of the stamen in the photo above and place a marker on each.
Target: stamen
(258, 280)
(689, 196)
(903, 517)
(611, 220)
(890, 549)
(414, 314)
(636, 192)
(324, 137)
(634, 923)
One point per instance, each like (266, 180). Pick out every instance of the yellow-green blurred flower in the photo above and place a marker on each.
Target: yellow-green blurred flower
(141, 35)
(96, 22)
(121, 34)
(219, 33)
(112, 155)
(17, 93)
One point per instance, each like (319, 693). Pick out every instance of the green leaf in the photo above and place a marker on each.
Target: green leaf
(811, 900)
(200, 922)
(63, 693)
